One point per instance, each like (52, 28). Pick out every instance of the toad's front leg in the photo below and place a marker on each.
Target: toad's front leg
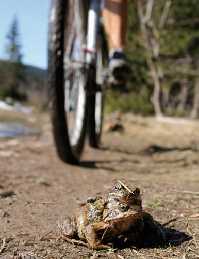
(93, 239)
(68, 231)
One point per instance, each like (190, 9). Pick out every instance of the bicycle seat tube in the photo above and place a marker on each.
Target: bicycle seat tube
(93, 25)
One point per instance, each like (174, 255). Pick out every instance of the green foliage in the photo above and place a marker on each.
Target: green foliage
(183, 10)
(179, 55)
(128, 102)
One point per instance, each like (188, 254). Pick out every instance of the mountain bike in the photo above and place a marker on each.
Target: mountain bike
(77, 61)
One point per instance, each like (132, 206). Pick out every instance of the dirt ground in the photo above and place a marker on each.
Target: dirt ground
(37, 190)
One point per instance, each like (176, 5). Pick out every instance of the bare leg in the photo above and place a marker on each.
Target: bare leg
(115, 19)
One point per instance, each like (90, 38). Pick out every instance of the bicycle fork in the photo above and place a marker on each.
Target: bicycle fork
(93, 28)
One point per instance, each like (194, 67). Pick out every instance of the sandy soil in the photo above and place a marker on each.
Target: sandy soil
(37, 190)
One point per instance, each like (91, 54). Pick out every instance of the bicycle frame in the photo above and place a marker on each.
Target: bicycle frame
(93, 25)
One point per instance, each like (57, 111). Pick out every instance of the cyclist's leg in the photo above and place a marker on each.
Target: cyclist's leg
(115, 19)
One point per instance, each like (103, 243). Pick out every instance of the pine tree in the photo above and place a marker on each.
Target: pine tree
(14, 46)
(14, 54)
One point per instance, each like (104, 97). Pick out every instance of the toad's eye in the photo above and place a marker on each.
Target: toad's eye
(124, 207)
(136, 192)
(118, 187)
(91, 200)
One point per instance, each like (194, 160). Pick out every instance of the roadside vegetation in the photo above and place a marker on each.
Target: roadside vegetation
(163, 52)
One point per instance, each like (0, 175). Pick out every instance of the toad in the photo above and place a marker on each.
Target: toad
(116, 217)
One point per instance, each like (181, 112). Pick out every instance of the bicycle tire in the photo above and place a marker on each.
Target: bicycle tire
(96, 100)
(60, 24)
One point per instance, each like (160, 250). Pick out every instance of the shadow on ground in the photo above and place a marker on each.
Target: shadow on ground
(103, 164)
(151, 239)
(157, 149)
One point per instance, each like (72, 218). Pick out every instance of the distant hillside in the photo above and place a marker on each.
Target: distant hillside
(34, 85)
(36, 72)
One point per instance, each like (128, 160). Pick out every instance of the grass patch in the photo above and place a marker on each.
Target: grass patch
(138, 103)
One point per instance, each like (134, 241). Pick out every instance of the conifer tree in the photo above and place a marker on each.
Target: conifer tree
(13, 47)
(14, 55)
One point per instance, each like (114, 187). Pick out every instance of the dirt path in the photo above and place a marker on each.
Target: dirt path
(37, 190)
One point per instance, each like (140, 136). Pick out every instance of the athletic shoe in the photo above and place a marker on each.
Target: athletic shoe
(118, 68)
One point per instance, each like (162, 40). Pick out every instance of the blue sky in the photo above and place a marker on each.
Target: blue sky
(33, 22)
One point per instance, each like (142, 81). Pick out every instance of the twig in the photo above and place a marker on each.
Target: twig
(43, 238)
(43, 202)
(189, 231)
(190, 192)
(74, 241)
(105, 231)
(170, 221)
(190, 249)
(194, 216)
(3, 245)
(149, 10)
(47, 203)
(165, 14)
(135, 251)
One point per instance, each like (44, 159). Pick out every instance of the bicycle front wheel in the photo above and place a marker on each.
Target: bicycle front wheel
(68, 77)
(96, 100)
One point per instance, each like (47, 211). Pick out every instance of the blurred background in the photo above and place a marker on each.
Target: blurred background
(23, 50)
(163, 50)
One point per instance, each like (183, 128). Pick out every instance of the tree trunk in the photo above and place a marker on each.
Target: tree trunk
(151, 44)
(195, 111)
(183, 95)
